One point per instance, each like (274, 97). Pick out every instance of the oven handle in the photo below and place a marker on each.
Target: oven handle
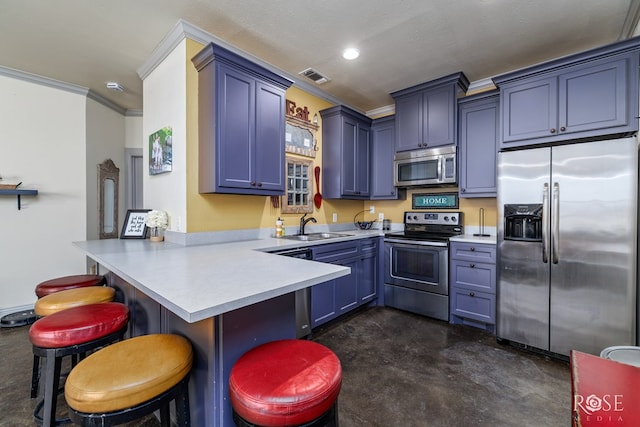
(417, 242)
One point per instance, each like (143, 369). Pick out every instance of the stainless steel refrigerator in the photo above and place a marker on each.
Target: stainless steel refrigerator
(567, 246)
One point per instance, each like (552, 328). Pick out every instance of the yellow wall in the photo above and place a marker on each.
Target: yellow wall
(215, 212)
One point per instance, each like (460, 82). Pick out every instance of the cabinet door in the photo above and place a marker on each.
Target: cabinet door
(235, 156)
(409, 122)
(529, 110)
(382, 149)
(362, 160)
(269, 139)
(323, 303)
(478, 148)
(349, 147)
(368, 278)
(438, 112)
(594, 97)
(347, 287)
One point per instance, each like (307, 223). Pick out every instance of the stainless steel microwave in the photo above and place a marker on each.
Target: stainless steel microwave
(433, 166)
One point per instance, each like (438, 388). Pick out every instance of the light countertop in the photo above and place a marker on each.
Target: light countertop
(470, 238)
(198, 282)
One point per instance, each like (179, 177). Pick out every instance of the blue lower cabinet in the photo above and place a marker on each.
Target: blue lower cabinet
(339, 296)
(472, 285)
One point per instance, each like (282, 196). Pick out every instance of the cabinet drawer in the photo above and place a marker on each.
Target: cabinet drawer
(470, 304)
(368, 245)
(474, 276)
(335, 251)
(475, 252)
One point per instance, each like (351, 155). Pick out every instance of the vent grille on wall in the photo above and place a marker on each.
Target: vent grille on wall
(312, 74)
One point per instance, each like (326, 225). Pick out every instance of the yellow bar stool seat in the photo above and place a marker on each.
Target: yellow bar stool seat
(130, 379)
(73, 298)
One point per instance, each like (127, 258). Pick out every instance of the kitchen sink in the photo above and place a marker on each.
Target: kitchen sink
(315, 236)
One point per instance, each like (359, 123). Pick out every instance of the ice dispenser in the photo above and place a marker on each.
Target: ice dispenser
(523, 222)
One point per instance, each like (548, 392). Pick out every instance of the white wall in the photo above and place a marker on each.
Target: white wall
(43, 144)
(105, 140)
(164, 100)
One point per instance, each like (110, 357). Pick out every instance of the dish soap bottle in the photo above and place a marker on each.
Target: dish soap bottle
(279, 228)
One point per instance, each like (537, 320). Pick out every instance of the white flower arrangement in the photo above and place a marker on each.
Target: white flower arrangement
(157, 219)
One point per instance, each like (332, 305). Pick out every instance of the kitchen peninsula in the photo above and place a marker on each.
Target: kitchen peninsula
(226, 298)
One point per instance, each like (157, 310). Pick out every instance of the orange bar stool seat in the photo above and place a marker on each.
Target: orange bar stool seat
(286, 383)
(69, 282)
(70, 332)
(62, 300)
(131, 379)
(69, 298)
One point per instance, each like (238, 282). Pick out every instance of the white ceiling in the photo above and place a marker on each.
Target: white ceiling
(402, 42)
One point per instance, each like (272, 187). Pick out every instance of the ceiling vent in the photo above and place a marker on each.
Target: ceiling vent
(312, 74)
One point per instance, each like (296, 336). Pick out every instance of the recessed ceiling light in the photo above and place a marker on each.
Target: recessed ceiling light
(115, 86)
(350, 53)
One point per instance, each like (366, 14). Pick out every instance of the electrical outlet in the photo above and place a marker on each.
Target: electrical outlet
(380, 217)
(335, 217)
(372, 209)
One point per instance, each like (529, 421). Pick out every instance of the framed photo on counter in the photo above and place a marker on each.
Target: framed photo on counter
(134, 226)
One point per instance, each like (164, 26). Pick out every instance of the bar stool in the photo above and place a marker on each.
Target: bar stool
(131, 379)
(69, 298)
(69, 282)
(286, 383)
(627, 354)
(62, 300)
(74, 331)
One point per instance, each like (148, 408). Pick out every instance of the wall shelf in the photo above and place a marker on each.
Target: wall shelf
(18, 193)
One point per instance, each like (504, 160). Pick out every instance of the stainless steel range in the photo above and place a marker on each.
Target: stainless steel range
(417, 263)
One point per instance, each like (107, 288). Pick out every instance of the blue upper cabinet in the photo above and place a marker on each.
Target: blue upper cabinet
(478, 144)
(588, 95)
(241, 125)
(382, 150)
(426, 114)
(346, 153)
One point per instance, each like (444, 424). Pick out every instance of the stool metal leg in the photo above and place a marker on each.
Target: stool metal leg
(183, 417)
(35, 376)
(51, 383)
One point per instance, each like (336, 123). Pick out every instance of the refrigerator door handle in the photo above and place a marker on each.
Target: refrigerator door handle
(555, 233)
(545, 222)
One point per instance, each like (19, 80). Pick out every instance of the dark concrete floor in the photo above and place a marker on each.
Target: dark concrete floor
(399, 369)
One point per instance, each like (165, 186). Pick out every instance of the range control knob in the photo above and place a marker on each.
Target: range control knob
(415, 217)
(454, 219)
(446, 218)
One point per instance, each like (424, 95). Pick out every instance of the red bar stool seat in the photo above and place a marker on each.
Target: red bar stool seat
(69, 298)
(130, 379)
(286, 383)
(69, 282)
(62, 300)
(74, 331)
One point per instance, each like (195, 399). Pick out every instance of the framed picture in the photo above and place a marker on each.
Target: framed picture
(161, 151)
(134, 226)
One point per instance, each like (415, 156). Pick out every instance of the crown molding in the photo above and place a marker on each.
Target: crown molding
(67, 87)
(184, 29)
(387, 110)
(43, 81)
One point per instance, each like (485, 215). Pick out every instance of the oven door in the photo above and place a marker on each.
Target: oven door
(417, 265)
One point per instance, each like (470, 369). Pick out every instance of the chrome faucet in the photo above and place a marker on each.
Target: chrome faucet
(304, 222)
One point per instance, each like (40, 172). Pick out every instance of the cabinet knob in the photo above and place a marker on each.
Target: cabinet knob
(552, 130)
(562, 129)
(259, 184)
(393, 193)
(463, 189)
(472, 265)
(472, 294)
(253, 183)
(472, 249)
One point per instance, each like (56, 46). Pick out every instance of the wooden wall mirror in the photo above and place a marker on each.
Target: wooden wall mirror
(108, 184)
(297, 198)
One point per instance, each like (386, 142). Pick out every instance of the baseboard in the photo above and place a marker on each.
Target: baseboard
(10, 310)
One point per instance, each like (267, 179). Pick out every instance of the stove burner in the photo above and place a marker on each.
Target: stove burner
(430, 226)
